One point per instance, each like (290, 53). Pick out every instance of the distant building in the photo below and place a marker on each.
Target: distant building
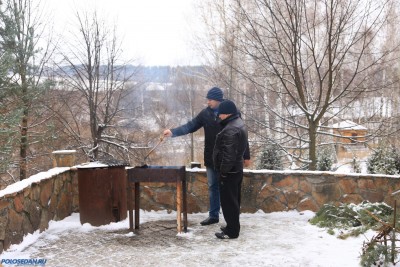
(349, 132)
(350, 140)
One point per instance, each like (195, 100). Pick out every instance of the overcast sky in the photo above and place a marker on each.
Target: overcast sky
(158, 32)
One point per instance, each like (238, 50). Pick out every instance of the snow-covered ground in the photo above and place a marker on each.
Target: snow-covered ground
(267, 239)
(345, 167)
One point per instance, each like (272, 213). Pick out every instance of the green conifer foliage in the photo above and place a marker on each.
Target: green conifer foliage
(384, 160)
(270, 158)
(325, 158)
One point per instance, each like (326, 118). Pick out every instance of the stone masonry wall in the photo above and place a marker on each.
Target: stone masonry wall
(271, 191)
(32, 206)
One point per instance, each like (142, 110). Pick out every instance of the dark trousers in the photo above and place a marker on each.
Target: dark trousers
(230, 188)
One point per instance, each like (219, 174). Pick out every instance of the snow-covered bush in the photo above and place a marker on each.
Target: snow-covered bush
(270, 158)
(325, 158)
(397, 159)
(384, 160)
(352, 220)
(355, 165)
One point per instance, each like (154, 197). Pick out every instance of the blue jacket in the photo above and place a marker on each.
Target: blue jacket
(209, 121)
(211, 124)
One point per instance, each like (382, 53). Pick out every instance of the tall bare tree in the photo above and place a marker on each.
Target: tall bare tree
(218, 45)
(96, 76)
(189, 94)
(312, 58)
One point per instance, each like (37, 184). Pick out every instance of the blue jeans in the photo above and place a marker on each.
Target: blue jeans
(213, 192)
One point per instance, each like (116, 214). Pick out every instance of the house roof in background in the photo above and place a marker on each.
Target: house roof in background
(348, 125)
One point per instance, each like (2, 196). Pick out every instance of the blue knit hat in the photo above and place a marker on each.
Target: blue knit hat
(227, 107)
(215, 94)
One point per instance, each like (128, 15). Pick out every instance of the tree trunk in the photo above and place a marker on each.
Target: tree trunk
(24, 135)
(313, 146)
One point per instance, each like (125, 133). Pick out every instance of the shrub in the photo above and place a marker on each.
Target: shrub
(325, 158)
(355, 165)
(353, 220)
(351, 217)
(270, 158)
(384, 160)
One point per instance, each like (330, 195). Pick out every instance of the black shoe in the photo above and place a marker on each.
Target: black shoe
(222, 235)
(223, 228)
(209, 221)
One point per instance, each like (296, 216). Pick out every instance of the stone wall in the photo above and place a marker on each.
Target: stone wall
(29, 205)
(271, 191)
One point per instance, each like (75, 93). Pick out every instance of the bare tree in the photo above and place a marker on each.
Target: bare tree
(306, 62)
(190, 90)
(96, 76)
(218, 45)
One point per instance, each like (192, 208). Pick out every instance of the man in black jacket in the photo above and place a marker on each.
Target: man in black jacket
(230, 146)
(207, 118)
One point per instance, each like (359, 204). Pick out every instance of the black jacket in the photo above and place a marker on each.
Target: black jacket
(230, 145)
(208, 120)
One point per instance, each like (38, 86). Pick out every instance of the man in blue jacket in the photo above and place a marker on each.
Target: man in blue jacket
(207, 118)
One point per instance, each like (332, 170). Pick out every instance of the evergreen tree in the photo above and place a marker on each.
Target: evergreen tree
(325, 158)
(19, 28)
(355, 165)
(270, 158)
(396, 156)
(384, 160)
(10, 113)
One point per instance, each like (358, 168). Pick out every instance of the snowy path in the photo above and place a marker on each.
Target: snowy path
(274, 239)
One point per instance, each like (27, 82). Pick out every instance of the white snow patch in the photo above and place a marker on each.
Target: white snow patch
(20, 185)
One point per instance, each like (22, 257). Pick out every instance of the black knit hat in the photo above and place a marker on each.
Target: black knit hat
(215, 94)
(227, 107)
